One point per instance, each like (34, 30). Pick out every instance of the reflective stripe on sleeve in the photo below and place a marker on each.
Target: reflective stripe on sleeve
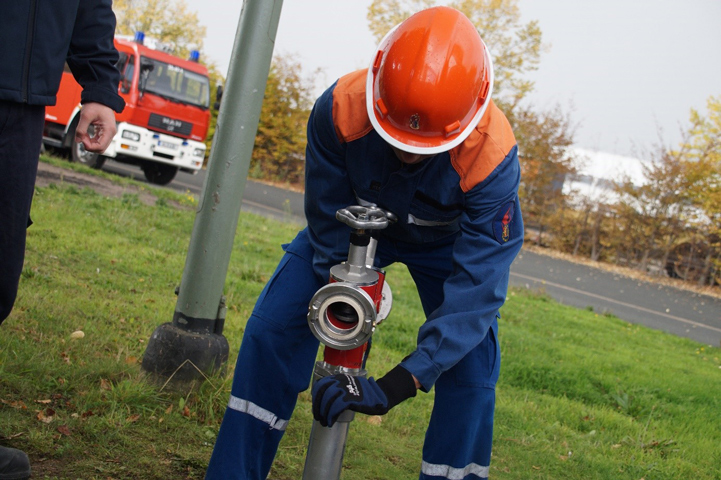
(244, 406)
(446, 471)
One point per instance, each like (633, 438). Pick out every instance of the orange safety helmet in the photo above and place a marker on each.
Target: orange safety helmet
(429, 82)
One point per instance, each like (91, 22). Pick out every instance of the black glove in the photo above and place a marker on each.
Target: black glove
(337, 393)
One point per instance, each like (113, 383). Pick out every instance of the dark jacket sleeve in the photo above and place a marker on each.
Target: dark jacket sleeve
(92, 56)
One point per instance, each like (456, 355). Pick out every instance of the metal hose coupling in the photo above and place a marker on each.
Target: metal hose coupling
(344, 313)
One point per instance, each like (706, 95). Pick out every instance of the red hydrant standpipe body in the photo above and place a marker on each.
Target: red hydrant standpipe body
(346, 319)
(343, 316)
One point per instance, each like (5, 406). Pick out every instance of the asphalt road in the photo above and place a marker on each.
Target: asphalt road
(672, 310)
(675, 311)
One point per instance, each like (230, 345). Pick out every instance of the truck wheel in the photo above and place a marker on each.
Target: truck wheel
(159, 173)
(80, 155)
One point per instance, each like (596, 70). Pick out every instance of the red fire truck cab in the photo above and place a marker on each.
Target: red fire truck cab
(166, 116)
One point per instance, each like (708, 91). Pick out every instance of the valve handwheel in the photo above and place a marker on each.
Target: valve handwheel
(365, 218)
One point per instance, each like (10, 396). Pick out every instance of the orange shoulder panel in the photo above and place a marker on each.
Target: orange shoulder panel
(349, 107)
(484, 149)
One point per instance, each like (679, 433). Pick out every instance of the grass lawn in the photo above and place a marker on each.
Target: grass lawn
(581, 395)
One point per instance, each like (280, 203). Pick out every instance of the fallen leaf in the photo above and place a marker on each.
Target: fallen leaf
(63, 429)
(169, 410)
(132, 418)
(131, 360)
(77, 334)
(43, 401)
(105, 385)
(15, 404)
(44, 418)
(186, 411)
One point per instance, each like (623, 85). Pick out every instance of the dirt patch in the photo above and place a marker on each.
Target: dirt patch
(50, 174)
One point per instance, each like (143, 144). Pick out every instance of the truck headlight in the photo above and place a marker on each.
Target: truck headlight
(199, 152)
(134, 136)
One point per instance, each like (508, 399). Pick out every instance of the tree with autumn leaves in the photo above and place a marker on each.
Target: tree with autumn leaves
(673, 218)
(279, 153)
(168, 21)
(700, 157)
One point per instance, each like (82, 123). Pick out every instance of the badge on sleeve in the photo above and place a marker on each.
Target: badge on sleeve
(502, 222)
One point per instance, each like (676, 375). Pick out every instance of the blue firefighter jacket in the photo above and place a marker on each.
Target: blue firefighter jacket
(38, 36)
(467, 197)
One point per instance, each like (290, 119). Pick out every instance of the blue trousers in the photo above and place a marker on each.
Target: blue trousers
(278, 353)
(21, 130)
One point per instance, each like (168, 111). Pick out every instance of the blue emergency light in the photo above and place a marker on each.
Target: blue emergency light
(139, 37)
(194, 56)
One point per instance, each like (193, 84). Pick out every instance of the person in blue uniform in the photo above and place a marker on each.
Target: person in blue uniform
(416, 134)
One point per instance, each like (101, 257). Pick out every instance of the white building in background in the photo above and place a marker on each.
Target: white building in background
(596, 172)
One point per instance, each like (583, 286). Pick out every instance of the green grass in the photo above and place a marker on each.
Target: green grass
(581, 395)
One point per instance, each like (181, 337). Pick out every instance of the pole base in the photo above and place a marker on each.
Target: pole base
(183, 356)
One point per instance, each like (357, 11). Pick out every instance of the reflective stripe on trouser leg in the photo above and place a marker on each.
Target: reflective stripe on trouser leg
(460, 434)
(259, 413)
(274, 364)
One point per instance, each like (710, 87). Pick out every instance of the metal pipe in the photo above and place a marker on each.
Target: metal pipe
(326, 448)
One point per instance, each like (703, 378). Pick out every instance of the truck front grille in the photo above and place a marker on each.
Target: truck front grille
(170, 125)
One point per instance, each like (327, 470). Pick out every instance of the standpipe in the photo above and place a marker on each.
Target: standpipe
(343, 316)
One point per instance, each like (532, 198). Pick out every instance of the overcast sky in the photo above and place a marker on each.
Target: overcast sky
(625, 69)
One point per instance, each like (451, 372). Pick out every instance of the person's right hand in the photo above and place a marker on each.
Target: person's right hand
(102, 119)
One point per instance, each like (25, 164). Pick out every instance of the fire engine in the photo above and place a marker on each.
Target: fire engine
(166, 116)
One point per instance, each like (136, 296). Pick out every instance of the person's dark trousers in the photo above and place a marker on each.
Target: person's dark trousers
(21, 130)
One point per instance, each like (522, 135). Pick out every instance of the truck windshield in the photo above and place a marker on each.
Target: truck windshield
(177, 84)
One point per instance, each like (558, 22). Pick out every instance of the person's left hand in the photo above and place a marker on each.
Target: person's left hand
(337, 393)
(102, 120)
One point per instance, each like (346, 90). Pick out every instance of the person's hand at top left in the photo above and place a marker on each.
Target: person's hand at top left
(102, 119)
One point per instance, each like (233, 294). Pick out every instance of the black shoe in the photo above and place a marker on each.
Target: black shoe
(14, 464)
